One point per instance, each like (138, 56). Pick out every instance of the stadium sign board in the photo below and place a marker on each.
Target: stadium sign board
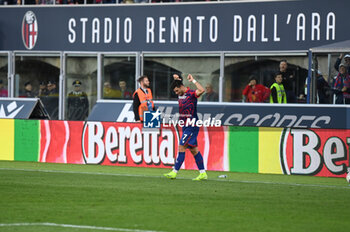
(238, 114)
(225, 26)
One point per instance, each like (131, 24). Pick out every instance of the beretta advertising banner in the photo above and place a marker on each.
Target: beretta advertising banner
(318, 152)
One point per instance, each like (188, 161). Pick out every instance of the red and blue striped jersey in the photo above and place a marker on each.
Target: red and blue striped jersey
(188, 105)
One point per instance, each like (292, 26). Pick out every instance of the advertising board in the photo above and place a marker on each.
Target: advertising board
(238, 114)
(125, 144)
(290, 151)
(315, 152)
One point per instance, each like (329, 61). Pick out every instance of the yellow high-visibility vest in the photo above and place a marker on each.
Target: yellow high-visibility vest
(281, 93)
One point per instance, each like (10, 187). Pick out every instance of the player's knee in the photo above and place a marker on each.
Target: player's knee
(182, 148)
(194, 150)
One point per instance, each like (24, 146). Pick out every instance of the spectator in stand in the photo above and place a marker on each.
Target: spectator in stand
(51, 100)
(210, 94)
(323, 89)
(46, 2)
(28, 90)
(255, 92)
(288, 81)
(78, 103)
(71, 2)
(347, 62)
(52, 88)
(109, 92)
(342, 86)
(3, 90)
(42, 89)
(125, 92)
(108, 1)
(28, 2)
(278, 94)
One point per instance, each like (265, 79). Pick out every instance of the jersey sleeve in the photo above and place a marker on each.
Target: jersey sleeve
(193, 93)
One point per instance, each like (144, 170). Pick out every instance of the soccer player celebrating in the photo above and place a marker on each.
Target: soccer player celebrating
(188, 111)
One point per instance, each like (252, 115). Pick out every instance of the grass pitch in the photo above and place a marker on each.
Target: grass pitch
(60, 197)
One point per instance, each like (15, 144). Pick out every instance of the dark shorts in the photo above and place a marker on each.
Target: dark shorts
(189, 136)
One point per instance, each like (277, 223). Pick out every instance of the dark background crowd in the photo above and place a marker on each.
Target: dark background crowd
(336, 92)
(43, 2)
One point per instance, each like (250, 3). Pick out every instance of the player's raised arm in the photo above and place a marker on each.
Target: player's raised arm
(200, 90)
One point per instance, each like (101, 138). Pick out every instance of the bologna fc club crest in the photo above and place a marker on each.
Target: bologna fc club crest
(29, 30)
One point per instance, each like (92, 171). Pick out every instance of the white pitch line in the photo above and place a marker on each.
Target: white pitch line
(183, 178)
(72, 226)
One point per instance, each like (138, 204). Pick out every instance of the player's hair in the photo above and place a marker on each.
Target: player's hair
(141, 78)
(176, 83)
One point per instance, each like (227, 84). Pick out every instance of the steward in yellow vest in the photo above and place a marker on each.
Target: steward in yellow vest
(142, 99)
(278, 94)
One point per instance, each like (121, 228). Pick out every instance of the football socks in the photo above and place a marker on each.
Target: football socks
(179, 160)
(199, 161)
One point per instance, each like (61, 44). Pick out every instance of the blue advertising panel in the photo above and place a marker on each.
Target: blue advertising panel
(20, 108)
(239, 114)
(224, 26)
